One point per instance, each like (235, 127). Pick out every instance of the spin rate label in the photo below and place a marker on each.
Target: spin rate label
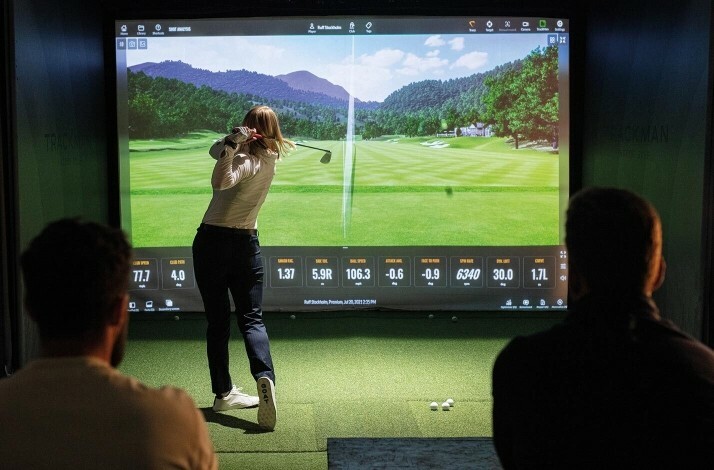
(430, 272)
(322, 271)
(504, 271)
(177, 273)
(467, 271)
(394, 271)
(144, 274)
(539, 272)
(358, 271)
(286, 271)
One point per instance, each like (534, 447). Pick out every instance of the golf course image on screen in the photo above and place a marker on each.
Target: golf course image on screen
(436, 139)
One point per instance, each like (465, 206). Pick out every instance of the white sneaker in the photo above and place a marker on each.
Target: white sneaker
(267, 412)
(233, 400)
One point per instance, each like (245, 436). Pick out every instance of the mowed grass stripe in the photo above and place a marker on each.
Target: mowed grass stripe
(382, 163)
(494, 195)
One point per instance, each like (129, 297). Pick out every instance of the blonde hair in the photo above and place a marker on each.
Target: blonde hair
(264, 120)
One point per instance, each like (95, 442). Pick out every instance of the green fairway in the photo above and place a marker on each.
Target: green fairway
(458, 191)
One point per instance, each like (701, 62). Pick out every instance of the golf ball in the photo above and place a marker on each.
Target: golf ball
(445, 406)
(176, 317)
(454, 318)
(292, 317)
(434, 406)
(450, 401)
(431, 316)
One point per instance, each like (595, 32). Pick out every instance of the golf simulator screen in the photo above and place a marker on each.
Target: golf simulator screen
(449, 171)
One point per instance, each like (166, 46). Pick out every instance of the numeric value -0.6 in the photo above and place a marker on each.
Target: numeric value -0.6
(395, 274)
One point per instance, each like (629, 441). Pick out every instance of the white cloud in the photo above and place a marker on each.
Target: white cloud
(434, 41)
(457, 44)
(365, 82)
(381, 58)
(472, 60)
(414, 64)
(433, 53)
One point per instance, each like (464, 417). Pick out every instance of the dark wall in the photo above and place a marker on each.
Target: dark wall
(60, 110)
(647, 89)
(645, 112)
(8, 301)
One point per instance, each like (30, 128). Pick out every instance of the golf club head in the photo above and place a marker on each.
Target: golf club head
(326, 158)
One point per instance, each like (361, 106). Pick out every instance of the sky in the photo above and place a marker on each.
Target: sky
(369, 66)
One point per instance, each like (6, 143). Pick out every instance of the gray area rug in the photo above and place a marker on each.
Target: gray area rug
(414, 453)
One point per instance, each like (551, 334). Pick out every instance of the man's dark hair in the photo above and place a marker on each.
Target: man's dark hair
(75, 272)
(610, 235)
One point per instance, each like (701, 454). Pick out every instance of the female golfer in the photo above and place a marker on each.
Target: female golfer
(227, 258)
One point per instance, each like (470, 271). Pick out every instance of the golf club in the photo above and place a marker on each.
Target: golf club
(325, 158)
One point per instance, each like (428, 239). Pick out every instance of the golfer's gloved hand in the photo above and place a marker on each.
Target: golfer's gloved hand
(239, 135)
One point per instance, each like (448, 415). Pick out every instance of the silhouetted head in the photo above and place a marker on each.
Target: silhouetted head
(614, 241)
(76, 273)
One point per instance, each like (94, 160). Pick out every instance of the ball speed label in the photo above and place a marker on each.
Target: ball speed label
(322, 271)
(467, 271)
(358, 271)
(504, 271)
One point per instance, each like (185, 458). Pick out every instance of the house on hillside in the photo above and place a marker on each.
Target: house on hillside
(478, 129)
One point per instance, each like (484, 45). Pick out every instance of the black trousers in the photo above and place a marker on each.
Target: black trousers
(228, 260)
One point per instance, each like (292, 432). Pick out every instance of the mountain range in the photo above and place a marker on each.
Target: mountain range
(301, 86)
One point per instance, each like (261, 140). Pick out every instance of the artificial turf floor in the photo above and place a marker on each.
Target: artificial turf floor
(364, 374)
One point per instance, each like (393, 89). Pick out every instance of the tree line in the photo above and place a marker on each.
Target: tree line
(518, 99)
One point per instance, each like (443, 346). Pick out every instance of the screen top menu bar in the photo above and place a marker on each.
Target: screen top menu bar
(338, 26)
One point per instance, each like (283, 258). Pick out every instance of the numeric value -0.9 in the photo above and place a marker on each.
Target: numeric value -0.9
(432, 273)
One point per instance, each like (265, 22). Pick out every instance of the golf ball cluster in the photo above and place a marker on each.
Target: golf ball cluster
(446, 406)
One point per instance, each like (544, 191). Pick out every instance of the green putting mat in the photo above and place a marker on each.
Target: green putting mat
(339, 375)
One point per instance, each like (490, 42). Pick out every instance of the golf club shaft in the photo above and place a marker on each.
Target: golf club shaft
(314, 148)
